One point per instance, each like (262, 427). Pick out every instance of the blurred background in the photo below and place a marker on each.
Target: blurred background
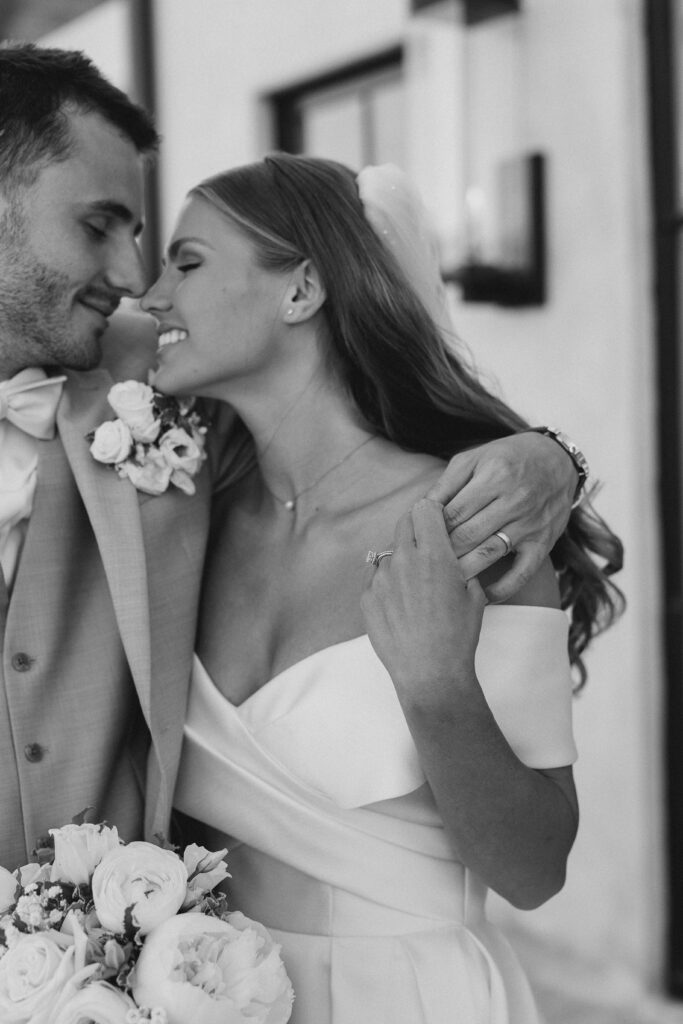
(546, 137)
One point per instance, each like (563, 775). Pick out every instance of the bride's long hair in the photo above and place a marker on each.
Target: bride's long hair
(408, 384)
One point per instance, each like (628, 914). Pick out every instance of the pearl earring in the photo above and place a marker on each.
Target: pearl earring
(290, 312)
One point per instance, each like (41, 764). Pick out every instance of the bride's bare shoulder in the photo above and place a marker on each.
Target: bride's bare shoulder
(400, 478)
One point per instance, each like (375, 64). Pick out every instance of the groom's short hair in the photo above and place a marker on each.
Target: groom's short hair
(38, 86)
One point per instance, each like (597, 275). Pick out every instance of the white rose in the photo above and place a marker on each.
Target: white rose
(32, 973)
(148, 432)
(79, 849)
(204, 969)
(8, 889)
(181, 450)
(204, 872)
(132, 401)
(152, 477)
(34, 873)
(112, 442)
(141, 878)
(96, 1003)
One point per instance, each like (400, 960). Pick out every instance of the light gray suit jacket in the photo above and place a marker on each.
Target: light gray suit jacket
(97, 640)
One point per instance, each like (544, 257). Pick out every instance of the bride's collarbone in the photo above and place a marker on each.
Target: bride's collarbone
(275, 593)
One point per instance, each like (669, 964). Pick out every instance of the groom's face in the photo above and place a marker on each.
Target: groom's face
(69, 250)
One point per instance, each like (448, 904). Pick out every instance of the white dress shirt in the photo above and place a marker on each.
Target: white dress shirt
(18, 477)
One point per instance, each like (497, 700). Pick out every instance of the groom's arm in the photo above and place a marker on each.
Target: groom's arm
(523, 485)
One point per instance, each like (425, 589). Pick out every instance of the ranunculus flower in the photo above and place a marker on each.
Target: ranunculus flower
(96, 1003)
(112, 442)
(79, 849)
(32, 974)
(205, 969)
(142, 877)
(8, 889)
(181, 450)
(204, 871)
(152, 477)
(132, 401)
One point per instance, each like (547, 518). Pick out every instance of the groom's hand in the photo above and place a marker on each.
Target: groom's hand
(523, 486)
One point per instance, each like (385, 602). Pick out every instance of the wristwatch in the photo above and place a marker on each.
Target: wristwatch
(574, 453)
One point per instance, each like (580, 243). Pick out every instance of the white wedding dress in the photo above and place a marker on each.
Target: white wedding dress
(338, 848)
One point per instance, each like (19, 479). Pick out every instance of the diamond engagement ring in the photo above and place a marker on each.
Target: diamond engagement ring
(375, 557)
(505, 539)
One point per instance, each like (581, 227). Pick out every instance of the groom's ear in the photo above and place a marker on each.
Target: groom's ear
(305, 294)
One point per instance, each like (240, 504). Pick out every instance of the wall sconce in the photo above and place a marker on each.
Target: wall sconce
(473, 11)
(504, 259)
(518, 275)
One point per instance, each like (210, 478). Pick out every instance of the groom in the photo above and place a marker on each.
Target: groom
(99, 585)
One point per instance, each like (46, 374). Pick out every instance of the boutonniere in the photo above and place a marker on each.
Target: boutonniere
(157, 440)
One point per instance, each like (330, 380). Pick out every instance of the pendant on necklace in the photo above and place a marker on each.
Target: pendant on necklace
(289, 505)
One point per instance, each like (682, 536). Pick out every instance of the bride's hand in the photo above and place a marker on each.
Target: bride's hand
(422, 616)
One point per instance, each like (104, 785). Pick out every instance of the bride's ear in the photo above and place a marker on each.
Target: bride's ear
(305, 294)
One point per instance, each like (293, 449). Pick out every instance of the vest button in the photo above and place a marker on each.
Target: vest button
(33, 752)
(21, 661)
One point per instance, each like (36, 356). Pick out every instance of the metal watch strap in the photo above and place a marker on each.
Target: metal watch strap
(574, 453)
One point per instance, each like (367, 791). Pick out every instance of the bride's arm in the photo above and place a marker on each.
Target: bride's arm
(512, 825)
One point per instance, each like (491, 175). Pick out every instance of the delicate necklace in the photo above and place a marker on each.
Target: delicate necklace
(288, 411)
(290, 503)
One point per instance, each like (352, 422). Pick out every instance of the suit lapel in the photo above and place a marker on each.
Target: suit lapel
(113, 509)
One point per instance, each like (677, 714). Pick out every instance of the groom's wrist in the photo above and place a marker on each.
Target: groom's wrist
(577, 457)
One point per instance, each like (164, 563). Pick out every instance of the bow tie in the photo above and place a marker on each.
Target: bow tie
(29, 400)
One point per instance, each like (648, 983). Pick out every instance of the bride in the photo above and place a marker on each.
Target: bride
(374, 744)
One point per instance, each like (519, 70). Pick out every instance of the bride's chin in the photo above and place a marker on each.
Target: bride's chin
(162, 381)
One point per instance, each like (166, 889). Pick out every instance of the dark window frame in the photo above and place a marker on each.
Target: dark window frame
(288, 124)
(666, 125)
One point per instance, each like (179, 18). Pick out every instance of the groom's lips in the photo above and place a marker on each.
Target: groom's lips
(105, 307)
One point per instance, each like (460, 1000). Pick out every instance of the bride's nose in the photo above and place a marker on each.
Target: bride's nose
(156, 298)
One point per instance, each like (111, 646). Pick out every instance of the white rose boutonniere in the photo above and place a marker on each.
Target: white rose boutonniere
(133, 402)
(112, 442)
(157, 440)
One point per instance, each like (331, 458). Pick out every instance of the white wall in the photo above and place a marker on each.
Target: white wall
(565, 78)
(104, 35)
(585, 360)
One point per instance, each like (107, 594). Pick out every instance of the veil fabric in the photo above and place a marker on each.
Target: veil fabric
(395, 211)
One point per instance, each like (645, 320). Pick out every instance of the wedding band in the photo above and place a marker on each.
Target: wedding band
(375, 557)
(505, 539)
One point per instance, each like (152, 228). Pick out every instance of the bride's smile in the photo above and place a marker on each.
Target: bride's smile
(222, 316)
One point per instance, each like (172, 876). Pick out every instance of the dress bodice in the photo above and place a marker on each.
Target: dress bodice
(336, 837)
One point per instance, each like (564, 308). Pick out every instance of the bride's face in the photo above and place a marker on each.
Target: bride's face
(220, 316)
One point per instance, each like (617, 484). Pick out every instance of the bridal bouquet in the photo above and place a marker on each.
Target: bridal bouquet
(155, 441)
(102, 932)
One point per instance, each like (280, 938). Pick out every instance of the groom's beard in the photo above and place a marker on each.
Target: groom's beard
(37, 306)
